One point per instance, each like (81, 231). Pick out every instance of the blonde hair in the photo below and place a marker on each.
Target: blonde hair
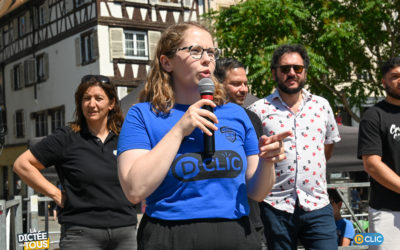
(158, 88)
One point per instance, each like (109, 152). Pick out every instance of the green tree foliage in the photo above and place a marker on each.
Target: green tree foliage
(347, 41)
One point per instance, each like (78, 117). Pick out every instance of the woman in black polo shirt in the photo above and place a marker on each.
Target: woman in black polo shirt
(94, 212)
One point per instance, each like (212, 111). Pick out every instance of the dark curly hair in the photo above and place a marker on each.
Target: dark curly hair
(290, 48)
(390, 64)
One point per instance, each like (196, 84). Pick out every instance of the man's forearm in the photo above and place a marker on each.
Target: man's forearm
(381, 172)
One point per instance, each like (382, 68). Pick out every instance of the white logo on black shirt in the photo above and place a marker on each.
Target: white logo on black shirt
(395, 131)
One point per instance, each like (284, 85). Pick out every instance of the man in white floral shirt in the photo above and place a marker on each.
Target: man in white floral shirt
(298, 206)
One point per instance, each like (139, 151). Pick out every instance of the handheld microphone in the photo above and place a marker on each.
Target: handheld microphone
(206, 89)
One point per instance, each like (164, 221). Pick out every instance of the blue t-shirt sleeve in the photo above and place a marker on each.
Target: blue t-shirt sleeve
(133, 133)
(349, 230)
(251, 141)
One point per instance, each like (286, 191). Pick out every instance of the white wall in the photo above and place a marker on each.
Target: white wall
(105, 63)
(57, 90)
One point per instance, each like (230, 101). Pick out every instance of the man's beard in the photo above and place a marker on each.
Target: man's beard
(390, 92)
(287, 90)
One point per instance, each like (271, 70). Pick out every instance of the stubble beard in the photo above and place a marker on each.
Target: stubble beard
(390, 92)
(285, 89)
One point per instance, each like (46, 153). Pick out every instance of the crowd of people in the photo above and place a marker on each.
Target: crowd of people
(265, 185)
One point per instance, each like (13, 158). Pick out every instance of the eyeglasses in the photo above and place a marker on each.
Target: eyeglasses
(99, 78)
(197, 51)
(298, 69)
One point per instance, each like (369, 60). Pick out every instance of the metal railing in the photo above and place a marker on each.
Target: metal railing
(11, 220)
(348, 206)
(11, 217)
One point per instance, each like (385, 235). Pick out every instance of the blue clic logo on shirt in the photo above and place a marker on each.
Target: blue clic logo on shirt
(371, 239)
(193, 167)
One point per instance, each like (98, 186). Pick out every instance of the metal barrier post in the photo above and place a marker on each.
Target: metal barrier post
(18, 221)
(3, 234)
(46, 216)
(29, 194)
(33, 212)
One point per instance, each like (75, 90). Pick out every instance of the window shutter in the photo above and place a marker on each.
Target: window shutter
(154, 36)
(28, 22)
(78, 59)
(116, 43)
(26, 75)
(46, 12)
(46, 66)
(15, 29)
(35, 18)
(69, 6)
(95, 48)
(30, 71)
(21, 75)
(12, 78)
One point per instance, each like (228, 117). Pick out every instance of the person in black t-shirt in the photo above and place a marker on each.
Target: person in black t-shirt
(232, 74)
(379, 147)
(94, 212)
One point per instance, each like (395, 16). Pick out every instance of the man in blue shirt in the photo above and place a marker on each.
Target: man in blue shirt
(344, 227)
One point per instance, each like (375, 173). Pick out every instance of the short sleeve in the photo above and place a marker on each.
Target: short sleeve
(349, 230)
(369, 138)
(332, 132)
(251, 140)
(133, 133)
(49, 151)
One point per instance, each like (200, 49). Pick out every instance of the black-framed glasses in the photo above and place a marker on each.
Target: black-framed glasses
(298, 69)
(98, 78)
(196, 51)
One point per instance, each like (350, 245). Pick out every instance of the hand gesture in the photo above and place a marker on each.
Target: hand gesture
(271, 148)
(196, 117)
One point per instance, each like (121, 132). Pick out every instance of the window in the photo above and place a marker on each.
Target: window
(57, 119)
(41, 124)
(22, 26)
(40, 68)
(30, 72)
(42, 15)
(17, 77)
(136, 45)
(36, 69)
(86, 48)
(19, 124)
(42, 118)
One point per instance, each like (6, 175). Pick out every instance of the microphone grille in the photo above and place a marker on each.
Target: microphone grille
(206, 86)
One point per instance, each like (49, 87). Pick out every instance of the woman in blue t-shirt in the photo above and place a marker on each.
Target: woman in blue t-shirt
(194, 201)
